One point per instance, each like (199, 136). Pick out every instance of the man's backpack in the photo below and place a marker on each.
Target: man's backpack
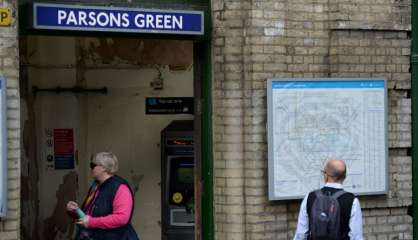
(324, 217)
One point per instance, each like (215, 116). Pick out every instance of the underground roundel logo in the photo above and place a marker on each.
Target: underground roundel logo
(177, 197)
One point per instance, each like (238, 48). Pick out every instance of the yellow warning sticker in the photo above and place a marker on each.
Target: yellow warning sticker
(177, 197)
(5, 17)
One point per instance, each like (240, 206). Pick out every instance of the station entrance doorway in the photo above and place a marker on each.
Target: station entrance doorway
(82, 95)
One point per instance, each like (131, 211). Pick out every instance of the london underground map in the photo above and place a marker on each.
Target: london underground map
(310, 121)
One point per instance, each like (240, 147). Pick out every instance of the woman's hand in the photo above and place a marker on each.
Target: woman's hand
(72, 206)
(83, 221)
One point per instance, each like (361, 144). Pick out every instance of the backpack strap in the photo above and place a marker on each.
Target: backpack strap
(338, 194)
(318, 193)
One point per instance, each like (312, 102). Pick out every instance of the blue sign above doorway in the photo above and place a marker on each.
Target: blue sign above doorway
(110, 19)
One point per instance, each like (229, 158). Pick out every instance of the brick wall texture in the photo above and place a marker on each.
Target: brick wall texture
(261, 39)
(9, 69)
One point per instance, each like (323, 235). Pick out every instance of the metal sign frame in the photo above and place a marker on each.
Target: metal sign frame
(270, 129)
(3, 147)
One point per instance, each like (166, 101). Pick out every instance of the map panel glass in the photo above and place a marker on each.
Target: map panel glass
(310, 121)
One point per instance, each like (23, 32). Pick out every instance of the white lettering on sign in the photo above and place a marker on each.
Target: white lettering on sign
(150, 21)
(71, 19)
(139, 20)
(110, 19)
(178, 22)
(82, 18)
(103, 19)
(91, 19)
(167, 21)
(61, 16)
(158, 21)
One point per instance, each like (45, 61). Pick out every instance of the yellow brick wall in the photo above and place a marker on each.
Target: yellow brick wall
(257, 40)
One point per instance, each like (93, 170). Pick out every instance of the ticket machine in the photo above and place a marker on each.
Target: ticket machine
(177, 181)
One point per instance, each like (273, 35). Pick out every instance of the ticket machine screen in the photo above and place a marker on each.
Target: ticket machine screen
(181, 179)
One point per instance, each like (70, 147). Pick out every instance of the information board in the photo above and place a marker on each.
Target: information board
(313, 120)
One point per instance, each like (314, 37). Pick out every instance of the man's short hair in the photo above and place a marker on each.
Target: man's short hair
(336, 173)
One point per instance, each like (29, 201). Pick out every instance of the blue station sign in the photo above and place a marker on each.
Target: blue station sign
(93, 18)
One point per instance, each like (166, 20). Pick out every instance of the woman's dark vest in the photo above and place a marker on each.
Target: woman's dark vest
(346, 203)
(103, 205)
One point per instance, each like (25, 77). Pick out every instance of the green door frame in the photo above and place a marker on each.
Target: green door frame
(414, 103)
(207, 147)
(207, 216)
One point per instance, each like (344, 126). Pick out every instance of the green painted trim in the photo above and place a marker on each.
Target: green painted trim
(207, 147)
(414, 103)
(208, 222)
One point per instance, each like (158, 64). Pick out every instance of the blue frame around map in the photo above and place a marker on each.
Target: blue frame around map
(301, 87)
(329, 84)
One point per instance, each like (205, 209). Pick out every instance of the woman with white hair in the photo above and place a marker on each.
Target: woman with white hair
(108, 207)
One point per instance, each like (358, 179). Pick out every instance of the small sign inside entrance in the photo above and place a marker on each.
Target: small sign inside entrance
(169, 105)
(64, 148)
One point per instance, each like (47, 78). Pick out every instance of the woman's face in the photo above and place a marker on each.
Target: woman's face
(97, 171)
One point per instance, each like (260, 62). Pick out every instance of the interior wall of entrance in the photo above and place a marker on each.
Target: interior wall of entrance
(130, 70)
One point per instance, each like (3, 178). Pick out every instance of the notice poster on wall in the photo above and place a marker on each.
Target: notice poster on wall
(3, 148)
(64, 148)
(313, 120)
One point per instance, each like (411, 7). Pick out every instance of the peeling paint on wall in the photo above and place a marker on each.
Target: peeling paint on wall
(135, 180)
(177, 54)
(29, 165)
(59, 225)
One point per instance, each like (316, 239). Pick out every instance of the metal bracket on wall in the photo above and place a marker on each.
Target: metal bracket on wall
(58, 90)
